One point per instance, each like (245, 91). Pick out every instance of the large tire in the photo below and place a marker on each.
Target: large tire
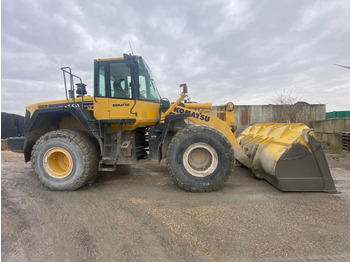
(65, 159)
(200, 158)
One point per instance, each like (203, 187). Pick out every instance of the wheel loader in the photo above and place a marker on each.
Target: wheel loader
(70, 140)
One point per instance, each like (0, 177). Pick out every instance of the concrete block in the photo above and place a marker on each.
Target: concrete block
(328, 126)
(334, 140)
(339, 125)
(323, 138)
(318, 126)
(347, 124)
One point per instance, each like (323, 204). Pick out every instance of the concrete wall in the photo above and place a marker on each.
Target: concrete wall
(252, 114)
(330, 131)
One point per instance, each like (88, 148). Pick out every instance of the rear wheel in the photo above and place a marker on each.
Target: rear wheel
(200, 158)
(65, 159)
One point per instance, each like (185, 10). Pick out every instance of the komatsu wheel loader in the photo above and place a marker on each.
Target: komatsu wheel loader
(70, 140)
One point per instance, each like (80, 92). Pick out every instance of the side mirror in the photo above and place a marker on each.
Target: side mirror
(164, 104)
(184, 88)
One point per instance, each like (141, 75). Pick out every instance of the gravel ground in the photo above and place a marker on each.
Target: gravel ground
(139, 214)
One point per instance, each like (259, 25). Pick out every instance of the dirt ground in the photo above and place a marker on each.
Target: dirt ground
(139, 214)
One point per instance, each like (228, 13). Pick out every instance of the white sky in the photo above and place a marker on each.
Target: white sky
(225, 50)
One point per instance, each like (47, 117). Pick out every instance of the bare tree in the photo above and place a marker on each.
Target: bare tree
(290, 107)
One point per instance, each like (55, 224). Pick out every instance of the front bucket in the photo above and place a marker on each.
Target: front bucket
(288, 156)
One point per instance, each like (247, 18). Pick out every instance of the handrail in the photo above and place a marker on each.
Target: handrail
(70, 94)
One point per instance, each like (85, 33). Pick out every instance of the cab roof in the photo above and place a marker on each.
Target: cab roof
(112, 59)
(109, 59)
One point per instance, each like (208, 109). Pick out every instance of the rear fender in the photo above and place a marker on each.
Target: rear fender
(50, 119)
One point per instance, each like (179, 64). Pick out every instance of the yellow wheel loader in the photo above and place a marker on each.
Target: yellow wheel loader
(70, 140)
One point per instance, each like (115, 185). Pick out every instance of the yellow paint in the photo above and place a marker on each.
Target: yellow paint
(101, 108)
(43, 105)
(147, 114)
(58, 162)
(111, 108)
(276, 139)
(170, 110)
(119, 108)
(224, 127)
(199, 105)
(109, 59)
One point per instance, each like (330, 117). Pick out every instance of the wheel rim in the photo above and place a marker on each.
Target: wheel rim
(58, 162)
(200, 159)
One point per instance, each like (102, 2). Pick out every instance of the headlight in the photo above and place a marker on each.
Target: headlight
(229, 106)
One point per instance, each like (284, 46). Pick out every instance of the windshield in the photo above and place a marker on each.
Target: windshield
(148, 90)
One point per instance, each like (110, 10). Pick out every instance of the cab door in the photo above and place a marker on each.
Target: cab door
(101, 100)
(121, 96)
(147, 104)
(113, 95)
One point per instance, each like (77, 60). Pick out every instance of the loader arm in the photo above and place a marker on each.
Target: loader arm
(224, 127)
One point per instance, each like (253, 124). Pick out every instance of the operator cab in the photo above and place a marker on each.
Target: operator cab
(125, 78)
(124, 90)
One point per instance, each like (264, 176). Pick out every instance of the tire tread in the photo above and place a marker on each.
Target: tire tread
(178, 137)
(88, 149)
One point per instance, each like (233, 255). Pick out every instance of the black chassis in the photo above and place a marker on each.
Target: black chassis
(46, 120)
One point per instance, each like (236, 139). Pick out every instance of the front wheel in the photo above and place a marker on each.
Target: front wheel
(65, 159)
(200, 158)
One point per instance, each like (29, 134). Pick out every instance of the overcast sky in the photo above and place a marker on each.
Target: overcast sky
(225, 50)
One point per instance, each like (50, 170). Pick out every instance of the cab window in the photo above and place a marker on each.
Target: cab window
(101, 90)
(120, 78)
(147, 88)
